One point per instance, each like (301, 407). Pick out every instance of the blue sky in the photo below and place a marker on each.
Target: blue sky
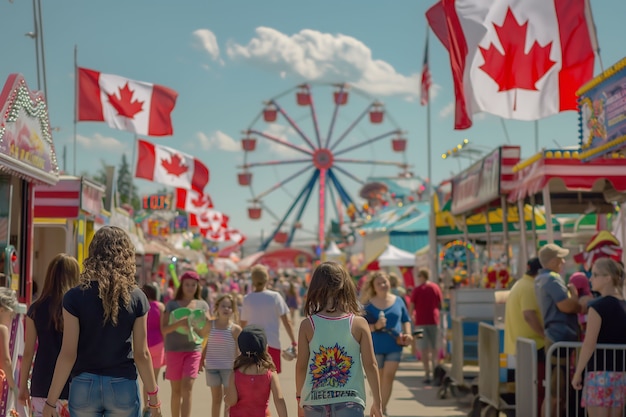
(226, 58)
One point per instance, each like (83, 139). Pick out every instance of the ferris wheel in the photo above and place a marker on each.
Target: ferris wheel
(355, 125)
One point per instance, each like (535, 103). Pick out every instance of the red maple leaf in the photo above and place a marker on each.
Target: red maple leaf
(515, 68)
(201, 201)
(124, 105)
(174, 166)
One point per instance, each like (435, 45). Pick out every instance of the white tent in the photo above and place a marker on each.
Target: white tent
(393, 256)
(333, 249)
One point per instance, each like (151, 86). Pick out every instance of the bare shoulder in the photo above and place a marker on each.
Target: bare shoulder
(359, 321)
(305, 324)
(236, 329)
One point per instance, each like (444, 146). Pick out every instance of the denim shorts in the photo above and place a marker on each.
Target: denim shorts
(381, 358)
(92, 395)
(217, 377)
(347, 409)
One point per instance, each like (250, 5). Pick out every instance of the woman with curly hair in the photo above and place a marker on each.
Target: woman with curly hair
(44, 328)
(104, 336)
(390, 324)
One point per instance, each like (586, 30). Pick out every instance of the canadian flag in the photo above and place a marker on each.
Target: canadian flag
(515, 59)
(224, 235)
(192, 201)
(209, 220)
(168, 166)
(135, 106)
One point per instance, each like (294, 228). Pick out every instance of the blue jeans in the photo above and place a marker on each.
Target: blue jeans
(95, 395)
(347, 409)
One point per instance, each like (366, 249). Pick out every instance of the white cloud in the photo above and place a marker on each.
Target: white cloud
(218, 140)
(102, 143)
(315, 56)
(447, 110)
(206, 40)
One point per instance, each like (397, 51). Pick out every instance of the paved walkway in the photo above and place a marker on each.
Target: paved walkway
(410, 397)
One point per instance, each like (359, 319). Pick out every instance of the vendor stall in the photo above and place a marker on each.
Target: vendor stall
(66, 215)
(483, 186)
(27, 158)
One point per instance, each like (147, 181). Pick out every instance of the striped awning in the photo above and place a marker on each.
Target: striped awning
(68, 197)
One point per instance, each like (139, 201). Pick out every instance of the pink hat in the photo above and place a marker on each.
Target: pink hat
(581, 282)
(190, 275)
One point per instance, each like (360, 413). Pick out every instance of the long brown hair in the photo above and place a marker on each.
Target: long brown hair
(111, 263)
(331, 282)
(62, 274)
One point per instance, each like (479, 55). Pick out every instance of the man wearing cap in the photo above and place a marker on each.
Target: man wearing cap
(267, 308)
(559, 305)
(522, 318)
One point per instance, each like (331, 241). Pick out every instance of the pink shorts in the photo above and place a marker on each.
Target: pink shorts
(275, 354)
(182, 365)
(158, 355)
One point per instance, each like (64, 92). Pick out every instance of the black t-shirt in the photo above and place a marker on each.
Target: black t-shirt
(49, 346)
(613, 331)
(104, 349)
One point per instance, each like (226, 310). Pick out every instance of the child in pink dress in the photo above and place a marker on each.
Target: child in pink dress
(253, 379)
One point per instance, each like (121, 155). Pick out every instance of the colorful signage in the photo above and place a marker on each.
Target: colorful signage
(157, 202)
(485, 181)
(26, 146)
(602, 113)
(477, 186)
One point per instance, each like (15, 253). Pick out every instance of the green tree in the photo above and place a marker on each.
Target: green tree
(126, 190)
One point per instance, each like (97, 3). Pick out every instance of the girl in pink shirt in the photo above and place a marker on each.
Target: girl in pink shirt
(253, 379)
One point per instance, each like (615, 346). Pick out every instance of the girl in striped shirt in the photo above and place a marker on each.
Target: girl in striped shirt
(220, 350)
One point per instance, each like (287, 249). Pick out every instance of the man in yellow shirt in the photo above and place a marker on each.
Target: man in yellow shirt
(522, 318)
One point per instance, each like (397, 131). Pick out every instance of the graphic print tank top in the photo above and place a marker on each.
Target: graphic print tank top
(334, 371)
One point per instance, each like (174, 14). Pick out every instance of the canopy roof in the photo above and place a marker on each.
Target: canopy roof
(600, 179)
(393, 256)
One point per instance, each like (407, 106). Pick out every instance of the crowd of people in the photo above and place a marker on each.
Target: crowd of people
(91, 334)
(542, 307)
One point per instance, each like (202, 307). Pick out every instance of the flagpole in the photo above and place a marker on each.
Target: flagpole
(133, 168)
(432, 227)
(536, 136)
(75, 102)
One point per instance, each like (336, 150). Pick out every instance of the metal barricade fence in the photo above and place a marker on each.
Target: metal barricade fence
(456, 360)
(489, 362)
(526, 378)
(561, 360)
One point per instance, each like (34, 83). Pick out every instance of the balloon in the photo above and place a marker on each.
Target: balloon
(172, 268)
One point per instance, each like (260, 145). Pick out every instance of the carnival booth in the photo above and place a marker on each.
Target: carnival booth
(66, 216)
(27, 158)
(480, 190)
(562, 183)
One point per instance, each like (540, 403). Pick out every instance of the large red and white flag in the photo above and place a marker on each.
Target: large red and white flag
(209, 220)
(517, 59)
(192, 201)
(134, 106)
(168, 166)
(224, 235)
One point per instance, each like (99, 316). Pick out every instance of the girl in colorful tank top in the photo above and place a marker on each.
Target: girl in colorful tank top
(335, 346)
(254, 377)
(220, 350)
